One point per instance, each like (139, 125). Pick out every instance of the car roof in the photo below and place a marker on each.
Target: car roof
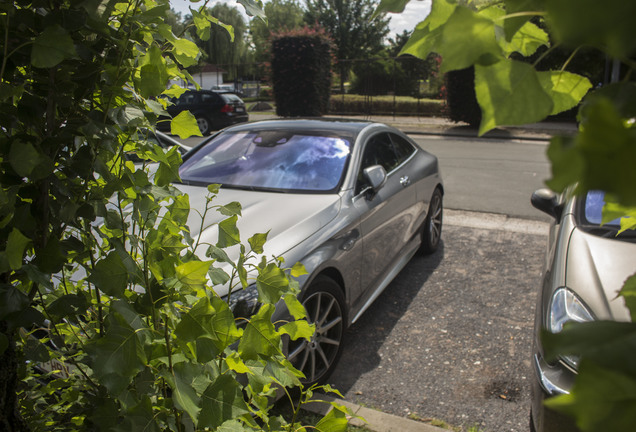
(349, 127)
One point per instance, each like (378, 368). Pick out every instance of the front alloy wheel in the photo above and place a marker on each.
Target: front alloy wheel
(317, 357)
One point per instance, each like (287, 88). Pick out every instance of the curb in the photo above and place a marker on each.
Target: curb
(541, 132)
(371, 419)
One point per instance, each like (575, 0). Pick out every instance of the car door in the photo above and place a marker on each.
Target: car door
(387, 217)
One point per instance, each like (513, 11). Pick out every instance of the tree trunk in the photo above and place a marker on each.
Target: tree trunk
(10, 418)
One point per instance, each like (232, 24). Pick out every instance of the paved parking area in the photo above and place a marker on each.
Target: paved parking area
(450, 338)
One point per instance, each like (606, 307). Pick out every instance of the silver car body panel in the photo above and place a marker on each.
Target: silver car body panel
(364, 240)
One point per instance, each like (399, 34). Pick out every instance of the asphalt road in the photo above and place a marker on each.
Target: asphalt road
(490, 175)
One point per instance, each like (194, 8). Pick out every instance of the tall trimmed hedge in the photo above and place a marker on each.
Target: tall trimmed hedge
(461, 98)
(301, 73)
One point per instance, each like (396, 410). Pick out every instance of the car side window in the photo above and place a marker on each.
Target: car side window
(403, 148)
(378, 151)
(208, 98)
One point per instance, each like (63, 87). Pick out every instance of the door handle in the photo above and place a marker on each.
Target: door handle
(405, 181)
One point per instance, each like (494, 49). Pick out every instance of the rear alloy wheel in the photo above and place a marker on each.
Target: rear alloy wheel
(432, 232)
(204, 125)
(317, 358)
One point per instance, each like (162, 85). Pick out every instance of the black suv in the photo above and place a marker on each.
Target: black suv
(213, 110)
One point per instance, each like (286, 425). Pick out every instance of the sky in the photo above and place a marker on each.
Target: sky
(416, 11)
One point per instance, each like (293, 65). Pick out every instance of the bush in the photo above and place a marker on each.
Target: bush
(301, 73)
(359, 104)
(460, 97)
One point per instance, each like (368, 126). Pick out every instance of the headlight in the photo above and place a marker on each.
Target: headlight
(565, 307)
(244, 302)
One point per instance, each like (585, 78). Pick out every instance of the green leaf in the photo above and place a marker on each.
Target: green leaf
(51, 47)
(298, 329)
(628, 292)
(228, 233)
(68, 305)
(110, 275)
(294, 306)
(52, 257)
(119, 354)
(526, 41)
(467, 38)
(185, 52)
(12, 300)
(605, 148)
(168, 171)
(153, 73)
(510, 93)
(23, 158)
(395, 6)
(218, 276)
(257, 242)
(217, 254)
(139, 418)
(601, 399)
(565, 88)
(194, 273)
(335, 420)
(235, 363)
(606, 24)
(298, 270)
(211, 319)
(231, 209)
(185, 125)
(260, 337)
(253, 8)
(184, 395)
(607, 343)
(271, 283)
(566, 161)
(223, 400)
(16, 245)
(524, 9)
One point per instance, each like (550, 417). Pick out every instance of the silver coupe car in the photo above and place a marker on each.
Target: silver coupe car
(352, 201)
(586, 265)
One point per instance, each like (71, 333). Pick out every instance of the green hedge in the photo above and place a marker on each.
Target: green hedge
(301, 73)
(387, 105)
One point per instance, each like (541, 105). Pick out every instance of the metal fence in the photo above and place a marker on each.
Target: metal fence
(371, 86)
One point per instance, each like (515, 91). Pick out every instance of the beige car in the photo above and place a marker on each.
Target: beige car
(586, 265)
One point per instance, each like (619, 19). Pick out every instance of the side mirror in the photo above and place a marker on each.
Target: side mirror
(548, 202)
(376, 177)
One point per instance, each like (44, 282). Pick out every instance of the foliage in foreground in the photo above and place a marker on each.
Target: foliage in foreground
(108, 319)
(602, 155)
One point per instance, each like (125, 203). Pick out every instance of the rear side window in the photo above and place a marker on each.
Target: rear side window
(208, 98)
(403, 148)
(229, 97)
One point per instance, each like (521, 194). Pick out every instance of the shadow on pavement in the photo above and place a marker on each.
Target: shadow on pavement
(364, 338)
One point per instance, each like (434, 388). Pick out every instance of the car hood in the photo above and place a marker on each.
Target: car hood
(597, 268)
(289, 218)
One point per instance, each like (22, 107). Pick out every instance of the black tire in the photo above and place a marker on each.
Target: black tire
(432, 230)
(325, 305)
(205, 126)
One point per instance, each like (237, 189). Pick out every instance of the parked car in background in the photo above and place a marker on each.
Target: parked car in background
(213, 110)
(351, 201)
(586, 266)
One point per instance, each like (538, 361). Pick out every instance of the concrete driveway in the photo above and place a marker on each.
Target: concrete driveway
(450, 338)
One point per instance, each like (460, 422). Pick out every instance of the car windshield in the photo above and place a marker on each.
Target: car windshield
(275, 160)
(590, 215)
